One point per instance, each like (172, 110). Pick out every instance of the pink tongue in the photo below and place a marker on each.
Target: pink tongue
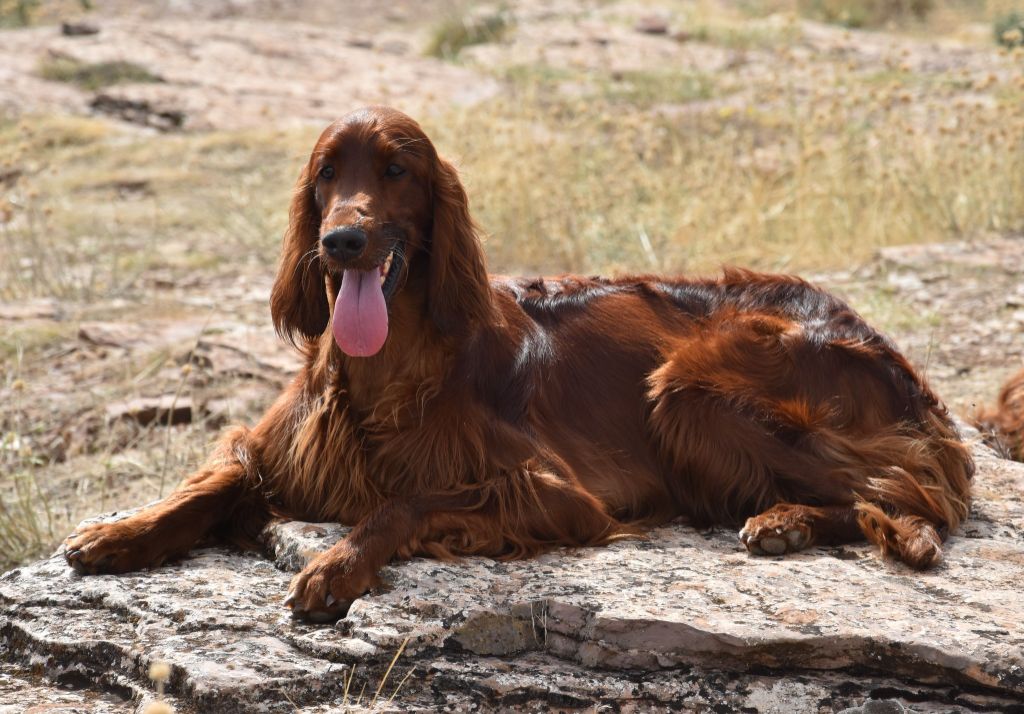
(360, 323)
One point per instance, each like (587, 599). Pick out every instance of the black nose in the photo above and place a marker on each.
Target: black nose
(345, 243)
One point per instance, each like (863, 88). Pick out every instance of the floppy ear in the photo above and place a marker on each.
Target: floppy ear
(298, 301)
(459, 294)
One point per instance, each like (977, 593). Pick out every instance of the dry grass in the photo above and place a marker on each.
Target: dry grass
(925, 15)
(125, 204)
(90, 215)
(62, 459)
(26, 518)
(789, 181)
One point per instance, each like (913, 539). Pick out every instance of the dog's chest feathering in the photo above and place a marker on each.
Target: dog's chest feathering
(344, 461)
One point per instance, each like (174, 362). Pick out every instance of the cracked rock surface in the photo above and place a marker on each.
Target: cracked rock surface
(684, 620)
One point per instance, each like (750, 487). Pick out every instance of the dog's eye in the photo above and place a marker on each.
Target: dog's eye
(327, 172)
(394, 170)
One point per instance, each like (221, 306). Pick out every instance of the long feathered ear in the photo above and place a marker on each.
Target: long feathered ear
(298, 302)
(459, 293)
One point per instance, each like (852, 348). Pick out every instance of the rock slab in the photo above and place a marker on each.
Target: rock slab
(682, 621)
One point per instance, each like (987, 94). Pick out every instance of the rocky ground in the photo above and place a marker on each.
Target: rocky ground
(957, 309)
(232, 73)
(681, 621)
(107, 401)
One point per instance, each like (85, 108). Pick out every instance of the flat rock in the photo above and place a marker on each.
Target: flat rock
(39, 309)
(652, 24)
(228, 350)
(78, 29)
(166, 410)
(681, 621)
(233, 73)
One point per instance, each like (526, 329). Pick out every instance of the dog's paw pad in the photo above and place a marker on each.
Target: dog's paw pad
(319, 613)
(773, 545)
(761, 540)
(308, 601)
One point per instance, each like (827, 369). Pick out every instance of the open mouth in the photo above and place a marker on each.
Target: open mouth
(390, 270)
(360, 320)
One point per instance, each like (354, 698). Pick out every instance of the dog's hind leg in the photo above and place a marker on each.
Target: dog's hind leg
(755, 413)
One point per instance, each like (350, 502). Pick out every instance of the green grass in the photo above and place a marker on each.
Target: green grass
(637, 90)
(30, 338)
(887, 308)
(95, 75)
(453, 34)
(645, 89)
(866, 13)
(17, 13)
(1009, 29)
(23, 13)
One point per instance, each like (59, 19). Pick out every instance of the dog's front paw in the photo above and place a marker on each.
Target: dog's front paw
(325, 589)
(118, 547)
(767, 535)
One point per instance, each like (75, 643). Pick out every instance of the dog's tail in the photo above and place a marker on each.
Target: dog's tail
(1002, 426)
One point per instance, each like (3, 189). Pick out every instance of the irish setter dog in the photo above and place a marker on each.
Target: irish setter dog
(441, 412)
(1002, 426)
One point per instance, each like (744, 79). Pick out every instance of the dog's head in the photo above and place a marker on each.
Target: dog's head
(373, 205)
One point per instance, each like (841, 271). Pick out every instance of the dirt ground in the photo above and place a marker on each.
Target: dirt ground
(109, 397)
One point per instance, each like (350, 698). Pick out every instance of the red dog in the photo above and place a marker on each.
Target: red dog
(1003, 425)
(443, 413)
